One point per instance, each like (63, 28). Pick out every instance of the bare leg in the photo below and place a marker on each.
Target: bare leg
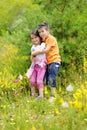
(41, 92)
(53, 91)
(33, 93)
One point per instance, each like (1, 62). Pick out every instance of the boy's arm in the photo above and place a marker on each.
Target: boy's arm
(45, 50)
(33, 58)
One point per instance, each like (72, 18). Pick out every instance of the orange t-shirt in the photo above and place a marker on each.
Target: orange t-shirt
(53, 54)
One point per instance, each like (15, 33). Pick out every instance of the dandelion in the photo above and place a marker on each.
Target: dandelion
(69, 88)
(52, 99)
(65, 104)
(20, 77)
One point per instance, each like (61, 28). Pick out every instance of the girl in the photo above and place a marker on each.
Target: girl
(38, 67)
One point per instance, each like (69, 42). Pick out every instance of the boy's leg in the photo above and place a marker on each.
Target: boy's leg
(46, 81)
(46, 77)
(53, 70)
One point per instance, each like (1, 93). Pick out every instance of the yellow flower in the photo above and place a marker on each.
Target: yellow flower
(45, 90)
(77, 95)
(57, 111)
(33, 128)
(61, 101)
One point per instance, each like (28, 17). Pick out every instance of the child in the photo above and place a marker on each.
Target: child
(38, 67)
(52, 56)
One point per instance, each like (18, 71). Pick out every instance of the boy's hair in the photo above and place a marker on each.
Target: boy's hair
(44, 24)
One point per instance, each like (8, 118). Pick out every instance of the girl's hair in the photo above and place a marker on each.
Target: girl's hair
(35, 32)
(43, 24)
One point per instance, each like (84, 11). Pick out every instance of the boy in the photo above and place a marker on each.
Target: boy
(52, 56)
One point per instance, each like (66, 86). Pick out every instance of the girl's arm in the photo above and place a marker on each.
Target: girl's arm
(45, 50)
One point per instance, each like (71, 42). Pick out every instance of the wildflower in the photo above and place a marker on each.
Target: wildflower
(15, 80)
(45, 90)
(52, 99)
(77, 95)
(69, 88)
(33, 128)
(65, 104)
(61, 101)
(57, 111)
(20, 77)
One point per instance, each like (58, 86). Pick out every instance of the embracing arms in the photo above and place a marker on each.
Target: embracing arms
(45, 50)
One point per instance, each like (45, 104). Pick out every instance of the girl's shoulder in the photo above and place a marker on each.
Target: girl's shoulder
(33, 48)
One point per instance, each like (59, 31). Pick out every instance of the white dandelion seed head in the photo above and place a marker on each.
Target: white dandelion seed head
(69, 88)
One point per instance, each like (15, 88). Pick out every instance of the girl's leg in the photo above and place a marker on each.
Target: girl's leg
(41, 92)
(40, 76)
(33, 93)
(33, 83)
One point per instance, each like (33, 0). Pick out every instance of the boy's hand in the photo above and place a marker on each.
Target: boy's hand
(34, 59)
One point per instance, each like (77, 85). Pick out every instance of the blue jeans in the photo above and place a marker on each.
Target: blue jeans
(51, 72)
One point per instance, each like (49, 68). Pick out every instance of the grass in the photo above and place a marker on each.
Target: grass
(19, 112)
(23, 113)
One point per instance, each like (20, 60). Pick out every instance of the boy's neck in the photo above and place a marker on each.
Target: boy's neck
(47, 37)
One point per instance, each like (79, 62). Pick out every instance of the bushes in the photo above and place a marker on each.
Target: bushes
(67, 20)
(68, 24)
(11, 66)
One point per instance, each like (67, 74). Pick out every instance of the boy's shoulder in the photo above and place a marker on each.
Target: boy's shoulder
(51, 38)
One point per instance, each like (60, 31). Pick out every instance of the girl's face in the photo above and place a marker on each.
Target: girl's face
(43, 33)
(35, 39)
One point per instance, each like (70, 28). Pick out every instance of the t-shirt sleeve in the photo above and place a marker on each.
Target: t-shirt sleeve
(32, 49)
(51, 42)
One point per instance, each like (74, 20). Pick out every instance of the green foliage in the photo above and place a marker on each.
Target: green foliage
(9, 10)
(67, 20)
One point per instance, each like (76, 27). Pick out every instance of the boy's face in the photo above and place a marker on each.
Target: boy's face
(43, 32)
